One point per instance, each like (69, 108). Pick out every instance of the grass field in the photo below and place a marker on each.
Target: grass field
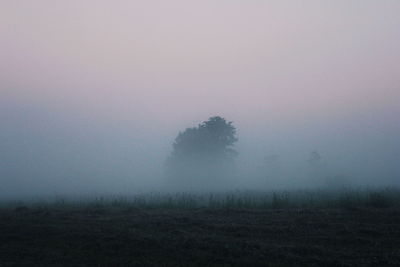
(304, 228)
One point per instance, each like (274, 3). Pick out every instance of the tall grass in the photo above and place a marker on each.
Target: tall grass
(322, 198)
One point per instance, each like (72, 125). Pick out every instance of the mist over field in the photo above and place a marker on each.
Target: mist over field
(94, 93)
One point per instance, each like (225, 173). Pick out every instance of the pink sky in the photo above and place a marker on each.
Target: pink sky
(185, 60)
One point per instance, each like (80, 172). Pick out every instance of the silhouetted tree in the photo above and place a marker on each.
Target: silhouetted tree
(317, 171)
(204, 150)
(315, 159)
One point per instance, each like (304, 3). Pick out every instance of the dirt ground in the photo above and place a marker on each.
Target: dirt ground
(199, 237)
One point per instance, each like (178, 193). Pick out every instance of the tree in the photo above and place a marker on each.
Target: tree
(315, 159)
(203, 152)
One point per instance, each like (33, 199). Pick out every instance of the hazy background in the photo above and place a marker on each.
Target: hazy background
(92, 93)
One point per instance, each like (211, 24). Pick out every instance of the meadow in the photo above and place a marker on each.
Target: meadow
(239, 199)
(346, 227)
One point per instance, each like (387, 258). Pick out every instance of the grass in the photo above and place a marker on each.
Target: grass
(350, 227)
(322, 198)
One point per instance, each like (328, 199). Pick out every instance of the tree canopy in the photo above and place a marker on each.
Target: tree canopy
(213, 138)
(204, 150)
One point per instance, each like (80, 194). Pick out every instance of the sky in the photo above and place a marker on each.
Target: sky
(94, 91)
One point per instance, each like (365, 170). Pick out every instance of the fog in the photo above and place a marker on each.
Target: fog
(93, 93)
(50, 153)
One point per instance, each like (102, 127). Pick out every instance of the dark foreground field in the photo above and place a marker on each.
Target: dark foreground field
(127, 236)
